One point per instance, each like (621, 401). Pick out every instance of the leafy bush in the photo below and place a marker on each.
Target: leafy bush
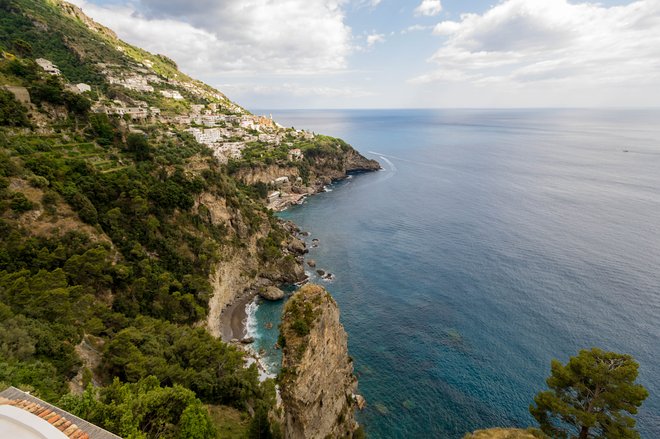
(143, 409)
(12, 113)
(20, 203)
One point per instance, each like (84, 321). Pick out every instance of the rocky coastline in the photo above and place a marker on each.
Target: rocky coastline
(231, 320)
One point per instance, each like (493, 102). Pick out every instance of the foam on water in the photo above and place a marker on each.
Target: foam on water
(250, 322)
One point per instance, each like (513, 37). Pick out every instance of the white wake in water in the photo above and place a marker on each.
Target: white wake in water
(386, 160)
(414, 162)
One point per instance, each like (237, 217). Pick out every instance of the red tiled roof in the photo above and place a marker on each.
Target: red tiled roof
(69, 429)
(70, 425)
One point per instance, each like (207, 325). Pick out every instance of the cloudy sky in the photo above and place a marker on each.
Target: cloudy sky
(404, 53)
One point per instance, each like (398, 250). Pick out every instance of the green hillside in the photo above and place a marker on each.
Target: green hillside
(113, 218)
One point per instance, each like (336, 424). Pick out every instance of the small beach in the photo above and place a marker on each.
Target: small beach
(234, 317)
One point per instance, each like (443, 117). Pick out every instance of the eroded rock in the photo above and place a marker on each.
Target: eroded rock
(317, 383)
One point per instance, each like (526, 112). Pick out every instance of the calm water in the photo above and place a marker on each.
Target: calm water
(492, 242)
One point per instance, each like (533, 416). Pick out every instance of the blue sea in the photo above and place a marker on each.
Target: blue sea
(492, 242)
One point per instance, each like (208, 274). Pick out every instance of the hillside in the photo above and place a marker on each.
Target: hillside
(134, 207)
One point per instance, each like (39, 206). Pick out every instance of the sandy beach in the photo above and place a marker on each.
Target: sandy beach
(233, 318)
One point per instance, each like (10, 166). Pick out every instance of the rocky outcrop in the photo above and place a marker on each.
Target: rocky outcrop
(501, 433)
(317, 382)
(271, 293)
(356, 162)
(266, 173)
(241, 272)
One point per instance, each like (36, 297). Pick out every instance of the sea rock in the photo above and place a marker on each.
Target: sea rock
(268, 325)
(247, 340)
(360, 401)
(305, 234)
(320, 272)
(271, 293)
(311, 263)
(317, 381)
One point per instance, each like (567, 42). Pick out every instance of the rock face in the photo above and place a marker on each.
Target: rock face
(356, 162)
(317, 381)
(501, 433)
(271, 293)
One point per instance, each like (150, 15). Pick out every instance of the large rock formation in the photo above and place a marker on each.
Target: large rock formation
(502, 433)
(317, 381)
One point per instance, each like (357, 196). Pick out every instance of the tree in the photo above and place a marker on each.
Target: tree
(12, 113)
(590, 397)
(139, 146)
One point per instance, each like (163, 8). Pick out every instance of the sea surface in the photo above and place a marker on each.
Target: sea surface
(492, 242)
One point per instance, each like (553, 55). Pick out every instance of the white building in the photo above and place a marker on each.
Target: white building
(172, 94)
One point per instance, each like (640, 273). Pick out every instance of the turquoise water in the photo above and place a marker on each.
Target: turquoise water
(492, 242)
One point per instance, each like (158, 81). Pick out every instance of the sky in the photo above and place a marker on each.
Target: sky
(298, 54)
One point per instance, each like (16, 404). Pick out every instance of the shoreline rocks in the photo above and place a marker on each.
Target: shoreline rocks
(271, 293)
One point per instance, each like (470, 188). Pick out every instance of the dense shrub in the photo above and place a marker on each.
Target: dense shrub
(12, 113)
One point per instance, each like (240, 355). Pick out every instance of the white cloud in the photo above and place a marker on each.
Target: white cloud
(248, 36)
(415, 28)
(294, 89)
(375, 38)
(429, 8)
(519, 42)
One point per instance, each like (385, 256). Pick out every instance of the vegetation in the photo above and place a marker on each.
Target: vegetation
(12, 113)
(103, 244)
(106, 247)
(143, 410)
(591, 396)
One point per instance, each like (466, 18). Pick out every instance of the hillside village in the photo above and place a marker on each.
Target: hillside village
(226, 129)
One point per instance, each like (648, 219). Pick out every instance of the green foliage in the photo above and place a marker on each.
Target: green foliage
(41, 24)
(591, 397)
(52, 91)
(137, 280)
(143, 410)
(21, 47)
(185, 356)
(260, 426)
(301, 326)
(12, 113)
(31, 354)
(20, 203)
(270, 247)
(138, 145)
(168, 61)
(100, 129)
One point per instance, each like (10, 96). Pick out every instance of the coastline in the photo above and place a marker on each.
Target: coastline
(233, 318)
(231, 321)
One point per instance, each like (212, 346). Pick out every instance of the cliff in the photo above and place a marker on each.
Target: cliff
(317, 381)
(125, 227)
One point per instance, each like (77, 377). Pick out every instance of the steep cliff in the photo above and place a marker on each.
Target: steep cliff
(317, 381)
(125, 223)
